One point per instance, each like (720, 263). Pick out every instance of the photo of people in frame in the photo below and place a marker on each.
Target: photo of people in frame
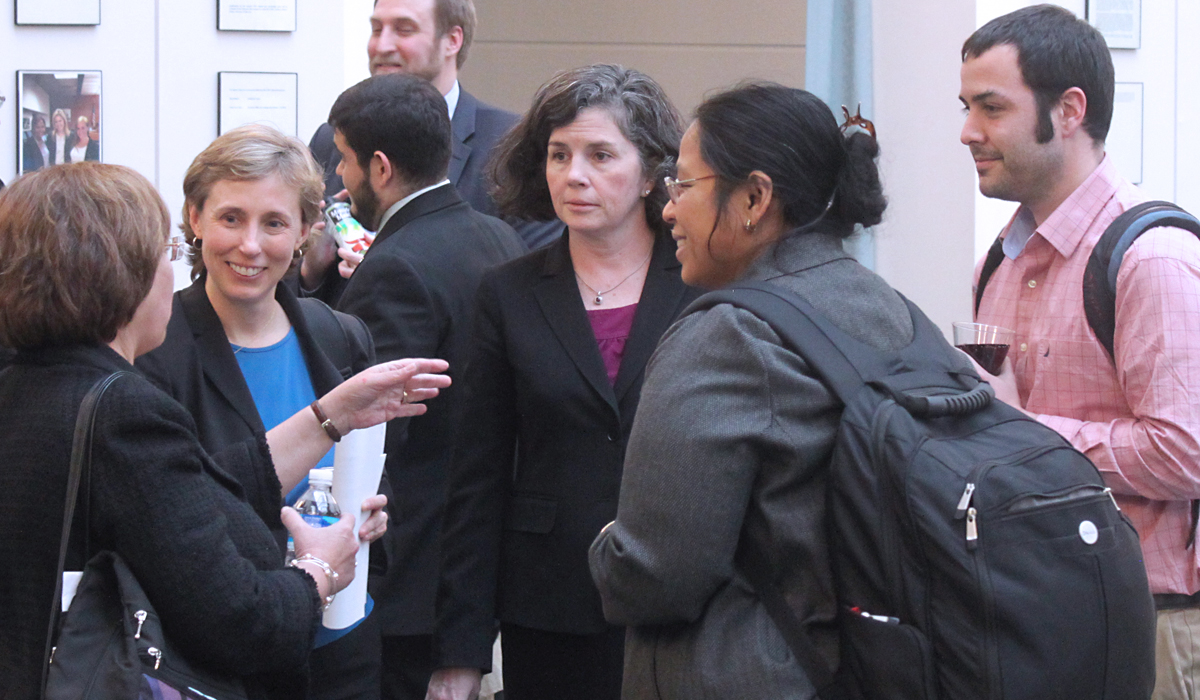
(62, 112)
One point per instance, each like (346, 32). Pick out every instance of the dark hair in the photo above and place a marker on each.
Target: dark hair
(641, 110)
(79, 247)
(403, 116)
(1056, 51)
(791, 135)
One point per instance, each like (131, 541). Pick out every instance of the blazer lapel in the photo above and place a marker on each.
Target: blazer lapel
(558, 296)
(321, 371)
(657, 307)
(463, 128)
(216, 357)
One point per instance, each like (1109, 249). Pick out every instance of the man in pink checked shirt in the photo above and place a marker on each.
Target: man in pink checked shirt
(1037, 87)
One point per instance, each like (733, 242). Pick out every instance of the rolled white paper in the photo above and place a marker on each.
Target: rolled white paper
(357, 466)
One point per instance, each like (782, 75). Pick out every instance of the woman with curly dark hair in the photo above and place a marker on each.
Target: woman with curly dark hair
(563, 335)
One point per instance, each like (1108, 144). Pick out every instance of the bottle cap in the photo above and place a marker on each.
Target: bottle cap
(321, 476)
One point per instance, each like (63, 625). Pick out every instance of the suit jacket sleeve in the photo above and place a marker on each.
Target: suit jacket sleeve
(479, 482)
(188, 540)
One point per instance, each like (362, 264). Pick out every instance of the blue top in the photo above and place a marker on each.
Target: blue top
(279, 383)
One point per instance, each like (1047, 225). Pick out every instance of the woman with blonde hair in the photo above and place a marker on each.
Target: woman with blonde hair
(59, 137)
(243, 354)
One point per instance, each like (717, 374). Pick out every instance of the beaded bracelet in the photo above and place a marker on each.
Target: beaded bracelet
(330, 575)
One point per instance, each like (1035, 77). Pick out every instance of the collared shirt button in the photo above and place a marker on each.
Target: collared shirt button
(1024, 347)
(1032, 284)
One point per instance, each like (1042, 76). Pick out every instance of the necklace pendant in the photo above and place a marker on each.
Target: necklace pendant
(598, 300)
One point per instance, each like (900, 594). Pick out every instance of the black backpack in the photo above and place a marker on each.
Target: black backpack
(976, 554)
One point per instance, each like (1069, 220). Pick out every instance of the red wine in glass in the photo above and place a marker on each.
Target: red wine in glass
(989, 355)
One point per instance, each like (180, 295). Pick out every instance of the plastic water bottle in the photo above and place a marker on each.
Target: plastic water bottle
(316, 506)
(350, 233)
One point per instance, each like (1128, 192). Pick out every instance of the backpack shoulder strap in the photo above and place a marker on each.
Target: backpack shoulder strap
(1100, 275)
(995, 256)
(802, 328)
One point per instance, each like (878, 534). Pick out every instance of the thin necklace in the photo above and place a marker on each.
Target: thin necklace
(600, 295)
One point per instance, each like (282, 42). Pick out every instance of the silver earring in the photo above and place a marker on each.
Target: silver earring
(646, 193)
(749, 226)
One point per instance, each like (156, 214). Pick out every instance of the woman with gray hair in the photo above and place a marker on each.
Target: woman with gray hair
(243, 354)
(562, 338)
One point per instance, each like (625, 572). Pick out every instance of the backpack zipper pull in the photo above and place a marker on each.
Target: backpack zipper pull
(140, 616)
(1112, 498)
(153, 651)
(965, 501)
(972, 529)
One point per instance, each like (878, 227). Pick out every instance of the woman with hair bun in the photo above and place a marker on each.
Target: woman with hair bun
(732, 441)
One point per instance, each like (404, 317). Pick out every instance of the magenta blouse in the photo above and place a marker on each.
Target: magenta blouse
(611, 328)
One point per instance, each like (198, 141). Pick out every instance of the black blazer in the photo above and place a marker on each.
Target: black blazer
(91, 151)
(476, 127)
(415, 289)
(31, 154)
(196, 367)
(515, 543)
(203, 555)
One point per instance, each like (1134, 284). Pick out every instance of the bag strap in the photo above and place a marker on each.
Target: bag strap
(834, 359)
(995, 256)
(80, 452)
(800, 327)
(1104, 264)
(754, 566)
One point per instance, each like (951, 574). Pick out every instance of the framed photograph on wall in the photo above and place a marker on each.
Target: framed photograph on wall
(60, 12)
(1119, 22)
(256, 15)
(257, 98)
(63, 112)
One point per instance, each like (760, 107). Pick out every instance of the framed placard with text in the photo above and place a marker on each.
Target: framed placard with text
(58, 12)
(1119, 21)
(256, 15)
(257, 98)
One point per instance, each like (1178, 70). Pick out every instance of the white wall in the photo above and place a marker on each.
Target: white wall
(160, 60)
(925, 246)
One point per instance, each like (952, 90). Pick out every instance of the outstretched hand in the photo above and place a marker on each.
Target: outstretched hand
(386, 391)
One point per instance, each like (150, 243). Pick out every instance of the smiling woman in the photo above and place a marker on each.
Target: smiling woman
(245, 356)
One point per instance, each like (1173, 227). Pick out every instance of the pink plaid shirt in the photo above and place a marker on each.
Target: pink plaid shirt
(1139, 421)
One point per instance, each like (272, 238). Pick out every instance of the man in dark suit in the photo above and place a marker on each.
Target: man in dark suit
(415, 289)
(429, 39)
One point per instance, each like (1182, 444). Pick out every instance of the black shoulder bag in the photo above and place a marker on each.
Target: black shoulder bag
(111, 644)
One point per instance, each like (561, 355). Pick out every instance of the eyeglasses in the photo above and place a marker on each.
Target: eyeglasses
(675, 187)
(175, 248)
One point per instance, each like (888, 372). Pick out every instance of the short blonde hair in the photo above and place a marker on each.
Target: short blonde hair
(251, 152)
(79, 247)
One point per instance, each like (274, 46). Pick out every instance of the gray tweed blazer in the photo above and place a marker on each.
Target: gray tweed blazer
(731, 445)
